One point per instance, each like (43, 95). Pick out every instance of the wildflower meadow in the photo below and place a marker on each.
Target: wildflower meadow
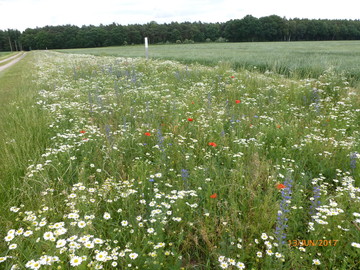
(155, 164)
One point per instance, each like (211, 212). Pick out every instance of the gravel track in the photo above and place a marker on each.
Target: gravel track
(16, 58)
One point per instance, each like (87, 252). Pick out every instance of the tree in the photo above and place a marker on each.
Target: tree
(212, 31)
(42, 40)
(249, 28)
(198, 32)
(4, 41)
(272, 28)
(232, 30)
(155, 32)
(134, 35)
(68, 37)
(115, 36)
(174, 32)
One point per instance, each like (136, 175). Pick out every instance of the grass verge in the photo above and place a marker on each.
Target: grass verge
(23, 131)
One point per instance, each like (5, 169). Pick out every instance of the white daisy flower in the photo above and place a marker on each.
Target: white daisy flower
(101, 256)
(224, 265)
(133, 256)
(221, 258)
(124, 223)
(9, 237)
(13, 246)
(240, 265)
(81, 224)
(89, 244)
(60, 243)
(27, 233)
(107, 215)
(48, 236)
(75, 261)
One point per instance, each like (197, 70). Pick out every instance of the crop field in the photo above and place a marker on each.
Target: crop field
(293, 59)
(111, 162)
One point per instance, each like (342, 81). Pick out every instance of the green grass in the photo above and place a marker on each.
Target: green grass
(112, 162)
(23, 131)
(294, 59)
(4, 55)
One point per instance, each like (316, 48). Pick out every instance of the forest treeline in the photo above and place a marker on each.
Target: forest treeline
(247, 29)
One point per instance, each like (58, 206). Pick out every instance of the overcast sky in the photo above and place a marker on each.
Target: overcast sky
(22, 14)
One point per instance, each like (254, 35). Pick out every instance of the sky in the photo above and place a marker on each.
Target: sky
(22, 14)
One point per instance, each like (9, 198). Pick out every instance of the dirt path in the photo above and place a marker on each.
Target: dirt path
(11, 57)
(16, 58)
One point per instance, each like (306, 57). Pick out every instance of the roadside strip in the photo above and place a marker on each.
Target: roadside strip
(11, 57)
(17, 57)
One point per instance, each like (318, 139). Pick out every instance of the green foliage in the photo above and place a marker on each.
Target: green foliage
(221, 40)
(10, 40)
(187, 41)
(247, 29)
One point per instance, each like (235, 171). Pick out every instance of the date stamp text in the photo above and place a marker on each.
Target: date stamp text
(313, 243)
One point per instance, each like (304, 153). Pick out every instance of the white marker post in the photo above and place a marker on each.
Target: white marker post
(146, 48)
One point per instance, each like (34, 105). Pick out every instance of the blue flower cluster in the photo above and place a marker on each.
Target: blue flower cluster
(281, 224)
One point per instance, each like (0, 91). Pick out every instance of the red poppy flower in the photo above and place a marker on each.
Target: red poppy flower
(190, 119)
(213, 196)
(212, 144)
(82, 131)
(147, 134)
(232, 77)
(237, 101)
(280, 186)
(278, 126)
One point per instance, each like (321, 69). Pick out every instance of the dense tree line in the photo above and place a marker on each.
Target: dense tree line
(249, 28)
(10, 40)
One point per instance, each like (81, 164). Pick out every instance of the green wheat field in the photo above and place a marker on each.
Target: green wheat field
(292, 59)
(204, 156)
